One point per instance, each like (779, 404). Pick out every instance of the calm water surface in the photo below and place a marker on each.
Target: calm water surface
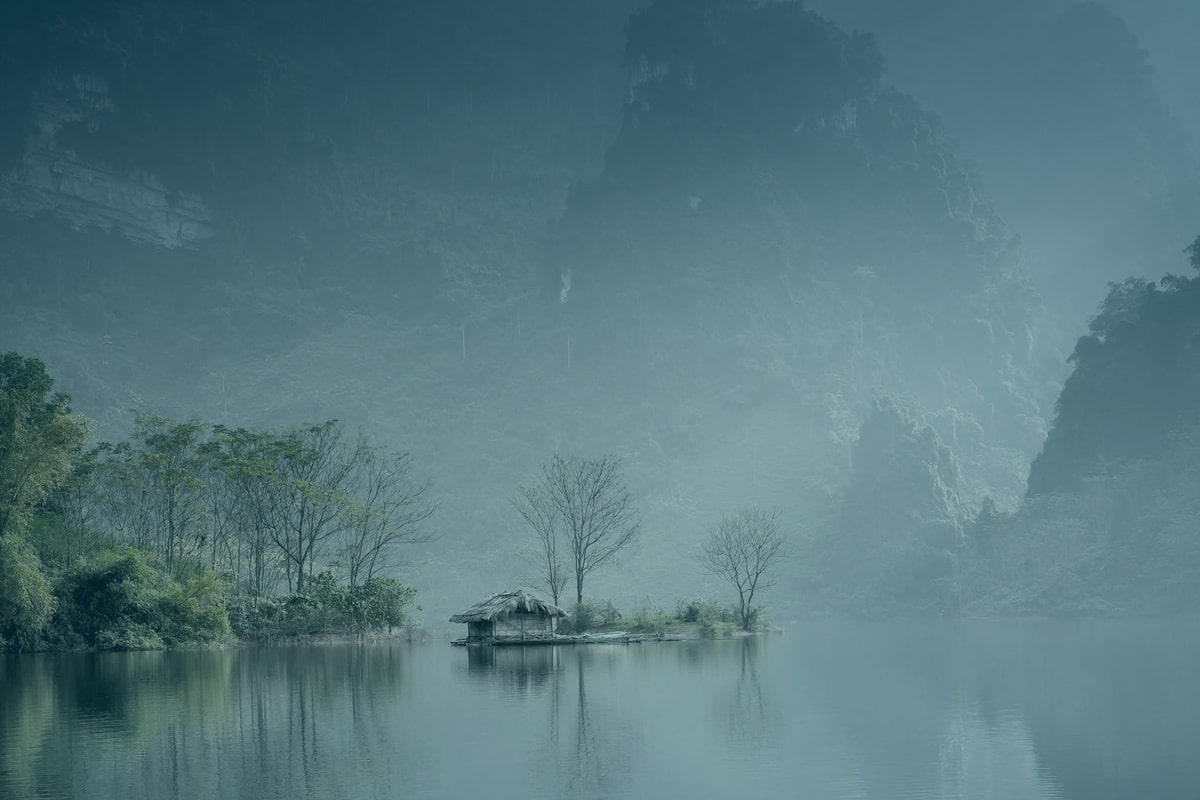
(980, 710)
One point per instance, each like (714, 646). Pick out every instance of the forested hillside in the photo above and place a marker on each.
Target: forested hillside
(1108, 524)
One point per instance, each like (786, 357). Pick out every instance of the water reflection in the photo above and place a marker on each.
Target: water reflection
(1043, 710)
(749, 720)
(517, 670)
(187, 724)
(598, 762)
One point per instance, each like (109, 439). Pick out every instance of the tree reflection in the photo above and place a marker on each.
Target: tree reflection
(748, 720)
(28, 711)
(156, 724)
(597, 766)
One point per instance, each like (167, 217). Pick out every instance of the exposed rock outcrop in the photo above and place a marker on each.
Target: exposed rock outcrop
(50, 177)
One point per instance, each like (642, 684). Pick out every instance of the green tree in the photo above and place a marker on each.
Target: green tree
(193, 612)
(166, 463)
(380, 604)
(113, 602)
(26, 602)
(39, 439)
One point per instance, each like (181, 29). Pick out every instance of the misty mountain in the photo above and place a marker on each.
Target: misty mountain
(772, 238)
(708, 238)
(1108, 525)
(1061, 107)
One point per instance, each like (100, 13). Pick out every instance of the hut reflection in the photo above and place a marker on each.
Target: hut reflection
(518, 670)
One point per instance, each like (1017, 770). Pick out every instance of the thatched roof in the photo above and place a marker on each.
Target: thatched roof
(516, 601)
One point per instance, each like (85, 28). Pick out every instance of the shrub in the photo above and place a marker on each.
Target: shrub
(112, 601)
(704, 612)
(118, 601)
(194, 612)
(590, 614)
(379, 603)
(646, 621)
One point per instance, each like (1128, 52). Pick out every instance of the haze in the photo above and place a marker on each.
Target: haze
(832, 263)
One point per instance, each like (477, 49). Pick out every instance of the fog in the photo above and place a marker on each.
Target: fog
(832, 261)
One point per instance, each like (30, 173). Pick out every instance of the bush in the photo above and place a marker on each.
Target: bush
(757, 619)
(26, 602)
(590, 614)
(194, 612)
(379, 603)
(118, 601)
(126, 635)
(251, 617)
(325, 606)
(704, 612)
(646, 621)
(112, 601)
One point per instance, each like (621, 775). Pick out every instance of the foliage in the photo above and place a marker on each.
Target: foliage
(379, 604)
(39, 439)
(1108, 525)
(118, 600)
(113, 602)
(705, 612)
(153, 488)
(193, 612)
(26, 602)
(325, 607)
(647, 620)
(264, 507)
(588, 615)
(1133, 384)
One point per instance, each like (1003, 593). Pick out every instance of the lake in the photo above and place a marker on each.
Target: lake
(899, 710)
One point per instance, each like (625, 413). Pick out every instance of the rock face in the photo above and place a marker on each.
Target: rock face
(50, 177)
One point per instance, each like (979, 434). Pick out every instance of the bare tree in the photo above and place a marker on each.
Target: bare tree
(312, 469)
(388, 511)
(743, 548)
(588, 499)
(538, 509)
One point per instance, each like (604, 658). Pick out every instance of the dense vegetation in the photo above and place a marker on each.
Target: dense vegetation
(185, 534)
(1109, 523)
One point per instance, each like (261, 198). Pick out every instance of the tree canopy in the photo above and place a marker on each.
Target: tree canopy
(39, 438)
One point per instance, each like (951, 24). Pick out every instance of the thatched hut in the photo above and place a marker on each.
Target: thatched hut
(510, 615)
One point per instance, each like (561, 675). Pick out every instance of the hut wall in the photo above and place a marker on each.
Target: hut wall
(479, 630)
(523, 625)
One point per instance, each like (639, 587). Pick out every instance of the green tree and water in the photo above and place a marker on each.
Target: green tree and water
(159, 540)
